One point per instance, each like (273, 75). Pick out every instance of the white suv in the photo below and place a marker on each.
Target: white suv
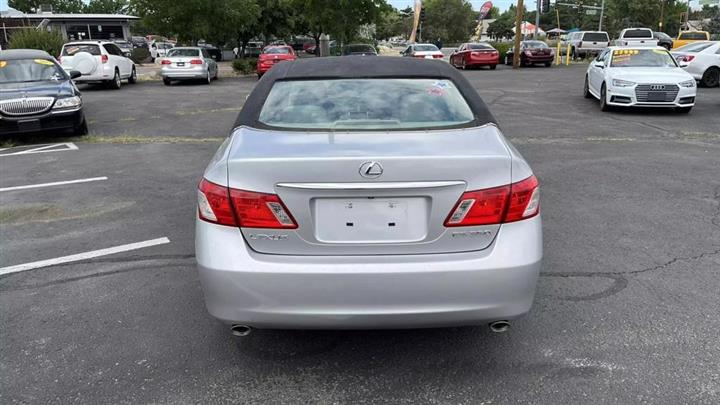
(98, 61)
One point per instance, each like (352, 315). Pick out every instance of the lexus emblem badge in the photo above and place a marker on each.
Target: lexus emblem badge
(371, 170)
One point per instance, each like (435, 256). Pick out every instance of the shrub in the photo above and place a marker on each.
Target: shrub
(31, 38)
(502, 47)
(244, 66)
(140, 55)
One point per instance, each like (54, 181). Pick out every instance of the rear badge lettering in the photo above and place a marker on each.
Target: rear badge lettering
(470, 234)
(263, 236)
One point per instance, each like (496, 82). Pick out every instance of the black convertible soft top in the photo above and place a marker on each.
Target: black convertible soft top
(15, 54)
(355, 67)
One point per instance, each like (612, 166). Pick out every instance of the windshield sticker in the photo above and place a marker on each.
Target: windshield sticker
(660, 51)
(435, 91)
(628, 52)
(3, 63)
(43, 62)
(443, 84)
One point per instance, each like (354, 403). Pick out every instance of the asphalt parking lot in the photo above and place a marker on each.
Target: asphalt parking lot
(627, 308)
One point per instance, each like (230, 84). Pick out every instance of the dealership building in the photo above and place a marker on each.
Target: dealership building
(72, 26)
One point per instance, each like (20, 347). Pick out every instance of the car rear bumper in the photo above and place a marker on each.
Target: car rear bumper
(46, 122)
(191, 73)
(539, 58)
(625, 97)
(484, 61)
(348, 292)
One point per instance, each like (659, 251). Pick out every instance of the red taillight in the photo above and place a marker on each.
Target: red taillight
(103, 58)
(437, 56)
(214, 204)
(524, 200)
(165, 62)
(259, 210)
(688, 58)
(497, 205)
(196, 62)
(221, 205)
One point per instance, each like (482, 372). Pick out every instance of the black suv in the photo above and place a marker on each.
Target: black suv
(36, 94)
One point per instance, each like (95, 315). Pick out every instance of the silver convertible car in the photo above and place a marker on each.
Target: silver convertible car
(355, 195)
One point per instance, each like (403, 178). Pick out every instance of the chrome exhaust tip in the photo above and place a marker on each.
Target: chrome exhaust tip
(500, 326)
(241, 330)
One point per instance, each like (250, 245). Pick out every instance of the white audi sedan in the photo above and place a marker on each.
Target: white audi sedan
(367, 195)
(639, 77)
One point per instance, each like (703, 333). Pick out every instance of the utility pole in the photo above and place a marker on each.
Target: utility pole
(537, 19)
(602, 14)
(687, 17)
(518, 33)
(662, 14)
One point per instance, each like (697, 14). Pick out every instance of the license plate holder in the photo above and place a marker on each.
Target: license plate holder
(657, 96)
(371, 220)
(29, 125)
(181, 64)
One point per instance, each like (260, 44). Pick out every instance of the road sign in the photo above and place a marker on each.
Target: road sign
(590, 12)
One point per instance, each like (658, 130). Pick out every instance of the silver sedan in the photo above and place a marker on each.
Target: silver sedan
(188, 63)
(367, 195)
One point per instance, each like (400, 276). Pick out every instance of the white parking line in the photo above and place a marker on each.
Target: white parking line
(83, 256)
(57, 183)
(47, 148)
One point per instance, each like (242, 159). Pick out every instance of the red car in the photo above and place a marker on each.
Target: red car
(272, 55)
(475, 55)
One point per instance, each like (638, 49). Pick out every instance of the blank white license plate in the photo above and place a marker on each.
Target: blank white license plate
(371, 220)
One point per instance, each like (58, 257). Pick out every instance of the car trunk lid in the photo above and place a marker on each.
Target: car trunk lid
(410, 183)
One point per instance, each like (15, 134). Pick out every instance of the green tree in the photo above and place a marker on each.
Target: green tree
(339, 18)
(448, 20)
(58, 6)
(106, 7)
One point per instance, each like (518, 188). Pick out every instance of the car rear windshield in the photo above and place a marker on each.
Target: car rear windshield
(426, 48)
(365, 104)
(535, 44)
(595, 37)
(183, 52)
(72, 49)
(480, 46)
(694, 47)
(694, 36)
(277, 50)
(639, 33)
(642, 58)
(30, 70)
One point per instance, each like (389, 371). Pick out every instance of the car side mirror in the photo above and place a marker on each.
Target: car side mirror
(683, 64)
(128, 54)
(600, 65)
(74, 74)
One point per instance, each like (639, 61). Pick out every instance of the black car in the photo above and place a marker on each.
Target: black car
(215, 52)
(359, 49)
(36, 94)
(664, 40)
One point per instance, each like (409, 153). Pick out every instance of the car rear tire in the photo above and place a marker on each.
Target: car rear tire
(116, 82)
(711, 77)
(548, 64)
(586, 89)
(167, 81)
(133, 76)
(493, 67)
(209, 77)
(683, 110)
(507, 60)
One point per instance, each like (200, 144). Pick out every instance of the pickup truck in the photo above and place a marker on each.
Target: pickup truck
(636, 37)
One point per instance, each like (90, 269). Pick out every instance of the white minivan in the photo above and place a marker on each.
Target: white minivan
(98, 62)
